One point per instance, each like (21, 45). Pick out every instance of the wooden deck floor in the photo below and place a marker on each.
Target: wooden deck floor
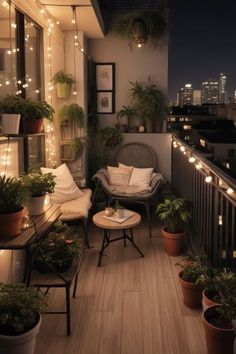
(130, 305)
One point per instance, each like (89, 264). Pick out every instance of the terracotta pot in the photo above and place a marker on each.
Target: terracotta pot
(207, 299)
(32, 126)
(218, 340)
(35, 205)
(172, 243)
(10, 224)
(20, 344)
(192, 293)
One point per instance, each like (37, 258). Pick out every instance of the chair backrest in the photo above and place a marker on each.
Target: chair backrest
(136, 154)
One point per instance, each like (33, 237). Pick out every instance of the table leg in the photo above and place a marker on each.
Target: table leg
(124, 238)
(105, 243)
(131, 239)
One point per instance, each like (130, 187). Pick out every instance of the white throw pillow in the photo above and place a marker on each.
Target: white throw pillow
(141, 177)
(65, 188)
(118, 176)
(125, 166)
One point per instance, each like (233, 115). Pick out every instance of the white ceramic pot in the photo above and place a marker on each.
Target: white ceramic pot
(10, 123)
(35, 205)
(21, 344)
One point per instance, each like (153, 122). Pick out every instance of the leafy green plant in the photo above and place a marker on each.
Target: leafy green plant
(38, 183)
(12, 104)
(175, 213)
(19, 308)
(108, 137)
(193, 271)
(13, 194)
(149, 102)
(61, 77)
(126, 111)
(153, 21)
(59, 248)
(118, 206)
(71, 113)
(37, 110)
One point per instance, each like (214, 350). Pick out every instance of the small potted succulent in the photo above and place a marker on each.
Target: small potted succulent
(191, 279)
(175, 213)
(58, 250)
(38, 184)
(63, 83)
(11, 108)
(13, 195)
(33, 114)
(20, 308)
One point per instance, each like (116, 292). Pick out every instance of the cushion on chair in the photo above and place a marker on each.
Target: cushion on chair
(118, 176)
(77, 208)
(65, 188)
(141, 178)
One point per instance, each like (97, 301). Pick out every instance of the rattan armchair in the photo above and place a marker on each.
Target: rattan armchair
(133, 154)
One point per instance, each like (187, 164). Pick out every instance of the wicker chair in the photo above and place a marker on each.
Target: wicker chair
(141, 156)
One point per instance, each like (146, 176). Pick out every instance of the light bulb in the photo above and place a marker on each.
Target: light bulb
(139, 45)
(192, 159)
(198, 166)
(208, 179)
(230, 191)
(182, 148)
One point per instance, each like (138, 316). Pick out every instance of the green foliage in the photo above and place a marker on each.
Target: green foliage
(71, 113)
(19, 308)
(175, 213)
(149, 101)
(60, 246)
(154, 21)
(118, 205)
(38, 183)
(12, 104)
(61, 77)
(38, 110)
(13, 194)
(126, 111)
(79, 144)
(193, 271)
(109, 137)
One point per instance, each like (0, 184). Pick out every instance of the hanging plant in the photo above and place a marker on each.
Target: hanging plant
(140, 27)
(71, 113)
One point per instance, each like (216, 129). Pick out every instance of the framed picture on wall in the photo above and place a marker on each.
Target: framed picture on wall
(105, 102)
(105, 76)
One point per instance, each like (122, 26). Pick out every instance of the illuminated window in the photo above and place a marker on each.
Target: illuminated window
(202, 143)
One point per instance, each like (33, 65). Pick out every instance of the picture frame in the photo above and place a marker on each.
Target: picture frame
(105, 87)
(105, 76)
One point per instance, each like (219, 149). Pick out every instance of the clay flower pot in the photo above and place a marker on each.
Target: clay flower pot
(218, 340)
(32, 126)
(207, 301)
(10, 224)
(192, 293)
(172, 242)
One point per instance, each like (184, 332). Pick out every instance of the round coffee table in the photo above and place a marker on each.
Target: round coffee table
(107, 225)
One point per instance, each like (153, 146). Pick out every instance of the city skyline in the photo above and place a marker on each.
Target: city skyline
(201, 43)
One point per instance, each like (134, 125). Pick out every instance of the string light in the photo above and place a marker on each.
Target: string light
(208, 179)
(192, 159)
(230, 191)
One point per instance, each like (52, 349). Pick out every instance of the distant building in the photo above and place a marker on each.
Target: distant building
(222, 88)
(197, 97)
(210, 91)
(235, 96)
(224, 110)
(185, 96)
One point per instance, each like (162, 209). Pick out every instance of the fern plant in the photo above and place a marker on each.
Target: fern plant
(175, 213)
(61, 77)
(71, 113)
(38, 183)
(13, 194)
(126, 111)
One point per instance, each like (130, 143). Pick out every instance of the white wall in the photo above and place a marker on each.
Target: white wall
(141, 64)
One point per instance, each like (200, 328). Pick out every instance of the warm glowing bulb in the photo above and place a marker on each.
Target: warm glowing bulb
(82, 50)
(192, 159)
(7, 82)
(139, 45)
(208, 179)
(74, 93)
(182, 148)
(75, 37)
(4, 3)
(58, 23)
(230, 191)
(9, 52)
(198, 166)
(73, 21)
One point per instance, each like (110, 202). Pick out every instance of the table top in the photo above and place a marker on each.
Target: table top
(100, 221)
(42, 223)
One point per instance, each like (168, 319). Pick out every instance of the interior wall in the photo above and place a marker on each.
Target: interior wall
(140, 64)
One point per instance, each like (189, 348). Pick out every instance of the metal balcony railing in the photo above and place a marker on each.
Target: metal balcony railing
(212, 233)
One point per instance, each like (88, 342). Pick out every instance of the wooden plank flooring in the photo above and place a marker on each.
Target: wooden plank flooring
(130, 305)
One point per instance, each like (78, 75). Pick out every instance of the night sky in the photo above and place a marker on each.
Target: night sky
(202, 43)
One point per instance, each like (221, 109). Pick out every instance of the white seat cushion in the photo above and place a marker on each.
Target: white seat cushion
(141, 178)
(118, 176)
(77, 208)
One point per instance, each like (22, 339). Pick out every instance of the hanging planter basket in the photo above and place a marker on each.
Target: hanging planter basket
(139, 31)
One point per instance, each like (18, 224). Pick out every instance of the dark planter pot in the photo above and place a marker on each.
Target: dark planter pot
(10, 224)
(32, 126)
(192, 293)
(218, 340)
(172, 243)
(207, 296)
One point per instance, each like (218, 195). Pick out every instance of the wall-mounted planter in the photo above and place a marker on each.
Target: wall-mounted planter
(10, 123)
(63, 90)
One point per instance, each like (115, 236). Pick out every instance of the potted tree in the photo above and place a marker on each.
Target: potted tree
(38, 184)
(58, 250)
(11, 108)
(63, 83)
(12, 197)
(20, 320)
(191, 280)
(175, 213)
(33, 114)
(126, 112)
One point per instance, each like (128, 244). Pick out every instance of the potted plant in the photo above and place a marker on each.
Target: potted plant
(58, 250)
(38, 184)
(20, 320)
(220, 324)
(63, 83)
(126, 112)
(175, 213)
(33, 114)
(11, 108)
(191, 282)
(71, 117)
(12, 197)
(150, 104)
(120, 210)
